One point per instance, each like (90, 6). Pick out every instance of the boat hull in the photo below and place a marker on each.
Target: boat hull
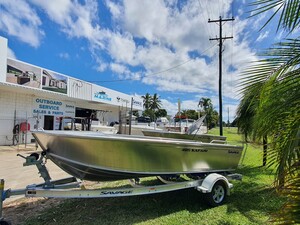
(101, 157)
(197, 137)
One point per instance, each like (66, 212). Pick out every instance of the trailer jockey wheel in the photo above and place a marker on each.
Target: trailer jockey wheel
(3, 222)
(217, 196)
(36, 155)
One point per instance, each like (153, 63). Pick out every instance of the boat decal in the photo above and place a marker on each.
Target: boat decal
(116, 192)
(233, 152)
(194, 150)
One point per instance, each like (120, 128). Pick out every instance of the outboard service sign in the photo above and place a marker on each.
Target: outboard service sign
(52, 107)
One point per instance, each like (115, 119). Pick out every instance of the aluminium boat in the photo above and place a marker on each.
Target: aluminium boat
(104, 157)
(192, 133)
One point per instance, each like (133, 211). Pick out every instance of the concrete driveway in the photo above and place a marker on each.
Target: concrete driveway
(17, 176)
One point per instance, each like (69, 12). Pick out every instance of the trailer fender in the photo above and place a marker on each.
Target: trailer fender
(209, 182)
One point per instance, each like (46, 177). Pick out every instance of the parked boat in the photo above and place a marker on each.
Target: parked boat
(102, 157)
(98, 127)
(136, 129)
(137, 126)
(193, 132)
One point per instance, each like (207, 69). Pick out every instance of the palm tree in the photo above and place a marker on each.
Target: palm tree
(151, 104)
(147, 99)
(208, 109)
(271, 99)
(155, 102)
(205, 103)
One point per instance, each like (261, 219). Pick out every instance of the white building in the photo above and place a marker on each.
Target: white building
(41, 97)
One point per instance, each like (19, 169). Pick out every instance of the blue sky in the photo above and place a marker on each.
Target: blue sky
(140, 46)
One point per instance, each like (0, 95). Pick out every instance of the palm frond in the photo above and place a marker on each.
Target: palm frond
(273, 84)
(289, 12)
(290, 211)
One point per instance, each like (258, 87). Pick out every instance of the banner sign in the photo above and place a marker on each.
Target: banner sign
(53, 107)
(23, 74)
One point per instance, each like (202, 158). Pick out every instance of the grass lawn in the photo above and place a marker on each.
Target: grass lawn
(253, 200)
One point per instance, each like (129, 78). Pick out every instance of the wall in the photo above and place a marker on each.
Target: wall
(80, 89)
(17, 108)
(3, 58)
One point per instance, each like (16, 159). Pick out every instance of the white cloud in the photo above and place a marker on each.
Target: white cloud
(171, 107)
(11, 54)
(64, 55)
(118, 68)
(114, 9)
(75, 19)
(262, 36)
(145, 19)
(122, 48)
(102, 67)
(19, 19)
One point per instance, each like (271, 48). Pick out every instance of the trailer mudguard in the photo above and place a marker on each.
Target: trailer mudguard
(209, 181)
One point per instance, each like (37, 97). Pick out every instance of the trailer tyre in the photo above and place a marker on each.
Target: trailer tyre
(218, 194)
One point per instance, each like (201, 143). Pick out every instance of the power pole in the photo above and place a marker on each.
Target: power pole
(220, 39)
(228, 117)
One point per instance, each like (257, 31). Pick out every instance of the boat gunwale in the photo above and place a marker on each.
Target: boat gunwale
(173, 132)
(129, 138)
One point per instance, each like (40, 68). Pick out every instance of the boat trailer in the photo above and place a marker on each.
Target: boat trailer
(215, 186)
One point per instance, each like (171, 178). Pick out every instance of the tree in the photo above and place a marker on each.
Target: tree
(271, 87)
(155, 102)
(161, 113)
(205, 103)
(152, 105)
(147, 99)
(209, 112)
(135, 113)
(189, 113)
(149, 113)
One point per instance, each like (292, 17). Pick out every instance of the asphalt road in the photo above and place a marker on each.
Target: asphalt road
(16, 175)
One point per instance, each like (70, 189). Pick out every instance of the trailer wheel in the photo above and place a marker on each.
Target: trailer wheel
(217, 196)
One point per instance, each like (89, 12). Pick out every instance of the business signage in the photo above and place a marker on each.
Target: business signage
(55, 82)
(123, 100)
(105, 95)
(108, 96)
(23, 74)
(137, 102)
(31, 76)
(102, 96)
(53, 107)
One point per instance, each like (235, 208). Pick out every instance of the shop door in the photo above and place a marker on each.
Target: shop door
(48, 122)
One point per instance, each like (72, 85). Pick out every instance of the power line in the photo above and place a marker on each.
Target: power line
(205, 24)
(162, 71)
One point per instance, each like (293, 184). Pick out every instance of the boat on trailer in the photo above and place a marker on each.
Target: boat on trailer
(104, 157)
